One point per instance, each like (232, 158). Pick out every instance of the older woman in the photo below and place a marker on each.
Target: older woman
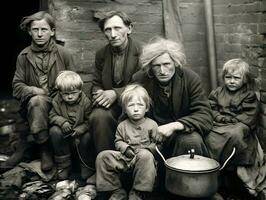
(180, 106)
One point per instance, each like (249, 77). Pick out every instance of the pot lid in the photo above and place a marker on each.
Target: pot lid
(196, 163)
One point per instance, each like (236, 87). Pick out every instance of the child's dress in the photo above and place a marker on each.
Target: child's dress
(235, 115)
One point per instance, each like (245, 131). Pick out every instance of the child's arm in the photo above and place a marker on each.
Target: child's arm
(217, 116)
(249, 112)
(120, 143)
(154, 142)
(84, 127)
(54, 116)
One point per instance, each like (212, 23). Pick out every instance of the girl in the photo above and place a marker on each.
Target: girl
(235, 107)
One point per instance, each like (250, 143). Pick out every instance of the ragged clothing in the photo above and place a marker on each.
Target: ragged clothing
(38, 68)
(235, 117)
(110, 164)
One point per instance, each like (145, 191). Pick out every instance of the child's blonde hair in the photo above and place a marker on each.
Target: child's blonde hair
(135, 90)
(68, 80)
(240, 65)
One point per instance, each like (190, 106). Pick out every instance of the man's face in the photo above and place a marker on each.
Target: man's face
(41, 32)
(163, 68)
(116, 31)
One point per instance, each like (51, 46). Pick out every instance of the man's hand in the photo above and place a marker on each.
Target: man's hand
(38, 91)
(76, 133)
(129, 153)
(104, 98)
(168, 129)
(66, 127)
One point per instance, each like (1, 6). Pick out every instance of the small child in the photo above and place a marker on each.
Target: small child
(69, 123)
(235, 111)
(135, 144)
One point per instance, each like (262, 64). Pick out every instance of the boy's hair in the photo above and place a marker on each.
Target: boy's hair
(240, 65)
(68, 80)
(26, 21)
(126, 19)
(135, 90)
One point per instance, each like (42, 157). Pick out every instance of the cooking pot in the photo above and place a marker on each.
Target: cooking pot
(192, 175)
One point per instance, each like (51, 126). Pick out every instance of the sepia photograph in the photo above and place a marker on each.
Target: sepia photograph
(133, 100)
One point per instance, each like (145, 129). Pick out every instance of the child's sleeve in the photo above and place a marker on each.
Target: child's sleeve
(120, 143)
(154, 142)
(249, 112)
(217, 116)
(54, 115)
(84, 127)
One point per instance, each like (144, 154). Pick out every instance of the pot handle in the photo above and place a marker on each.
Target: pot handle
(227, 160)
(158, 151)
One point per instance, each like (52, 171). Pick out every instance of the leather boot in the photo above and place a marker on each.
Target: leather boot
(63, 166)
(46, 157)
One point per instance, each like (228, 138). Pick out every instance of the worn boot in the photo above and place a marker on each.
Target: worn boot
(46, 157)
(63, 166)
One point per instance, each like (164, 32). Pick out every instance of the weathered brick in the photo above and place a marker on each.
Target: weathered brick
(235, 9)
(220, 9)
(219, 38)
(220, 19)
(262, 28)
(236, 48)
(220, 28)
(253, 7)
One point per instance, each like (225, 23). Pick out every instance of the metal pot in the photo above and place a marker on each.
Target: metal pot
(192, 175)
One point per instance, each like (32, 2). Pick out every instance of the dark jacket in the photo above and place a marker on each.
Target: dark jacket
(235, 118)
(59, 113)
(240, 106)
(26, 76)
(190, 104)
(103, 78)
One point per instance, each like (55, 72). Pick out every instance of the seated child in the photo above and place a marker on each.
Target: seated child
(69, 123)
(135, 145)
(235, 109)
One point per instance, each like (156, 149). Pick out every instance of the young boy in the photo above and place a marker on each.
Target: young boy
(69, 123)
(135, 145)
(234, 106)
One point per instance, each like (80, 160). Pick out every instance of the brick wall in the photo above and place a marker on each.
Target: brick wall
(240, 29)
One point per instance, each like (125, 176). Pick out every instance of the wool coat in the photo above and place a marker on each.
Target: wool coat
(190, 105)
(26, 74)
(235, 116)
(103, 76)
(59, 113)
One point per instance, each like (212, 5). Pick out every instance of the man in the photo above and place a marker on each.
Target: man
(180, 106)
(33, 84)
(114, 65)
